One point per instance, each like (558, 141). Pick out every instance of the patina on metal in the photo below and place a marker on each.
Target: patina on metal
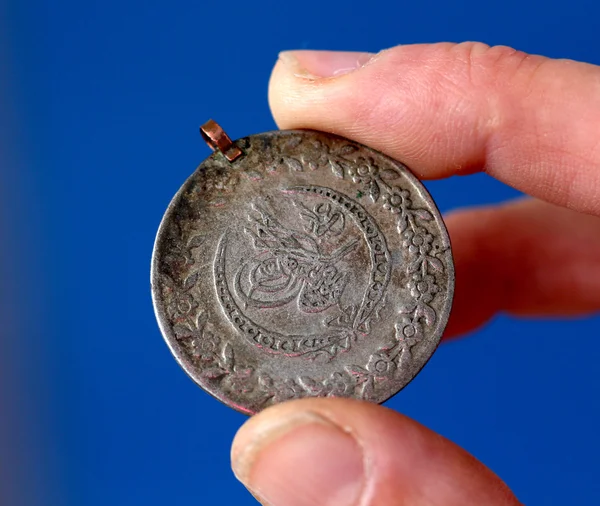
(301, 264)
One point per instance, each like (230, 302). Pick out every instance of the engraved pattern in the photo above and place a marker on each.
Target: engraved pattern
(308, 275)
(422, 274)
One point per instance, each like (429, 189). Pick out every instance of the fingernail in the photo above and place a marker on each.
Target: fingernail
(299, 461)
(319, 64)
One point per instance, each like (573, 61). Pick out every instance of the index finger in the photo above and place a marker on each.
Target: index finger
(452, 109)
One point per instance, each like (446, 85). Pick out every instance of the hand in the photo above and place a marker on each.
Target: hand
(444, 110)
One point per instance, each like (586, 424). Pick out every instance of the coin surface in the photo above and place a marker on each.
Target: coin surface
(309, 266)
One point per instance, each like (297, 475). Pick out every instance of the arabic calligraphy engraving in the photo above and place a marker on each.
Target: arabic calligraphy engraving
(290, 265)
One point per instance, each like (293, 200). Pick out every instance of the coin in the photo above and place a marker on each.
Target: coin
(301, 264)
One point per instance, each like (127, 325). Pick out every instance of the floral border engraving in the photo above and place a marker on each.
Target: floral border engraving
(217, 357)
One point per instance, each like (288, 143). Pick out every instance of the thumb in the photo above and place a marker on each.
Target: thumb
(341, 452)
(450, 109)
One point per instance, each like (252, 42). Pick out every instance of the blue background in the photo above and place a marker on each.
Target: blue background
(104, 102)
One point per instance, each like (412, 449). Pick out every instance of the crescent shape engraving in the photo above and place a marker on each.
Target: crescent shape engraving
(297, 345)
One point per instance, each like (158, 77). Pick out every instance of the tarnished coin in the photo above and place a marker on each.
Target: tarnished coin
(300, 264)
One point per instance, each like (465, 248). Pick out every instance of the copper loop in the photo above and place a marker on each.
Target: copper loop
(218, 140)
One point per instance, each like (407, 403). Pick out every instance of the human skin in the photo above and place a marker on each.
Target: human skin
(444, 110)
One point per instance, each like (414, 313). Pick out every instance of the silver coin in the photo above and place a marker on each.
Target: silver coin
(307, 266)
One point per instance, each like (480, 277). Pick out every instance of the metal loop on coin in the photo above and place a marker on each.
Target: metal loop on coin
(218, 140)
(314, 267)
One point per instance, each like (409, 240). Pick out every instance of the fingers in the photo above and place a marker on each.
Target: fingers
(526, 258)
(447, 109)
(341, 452)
